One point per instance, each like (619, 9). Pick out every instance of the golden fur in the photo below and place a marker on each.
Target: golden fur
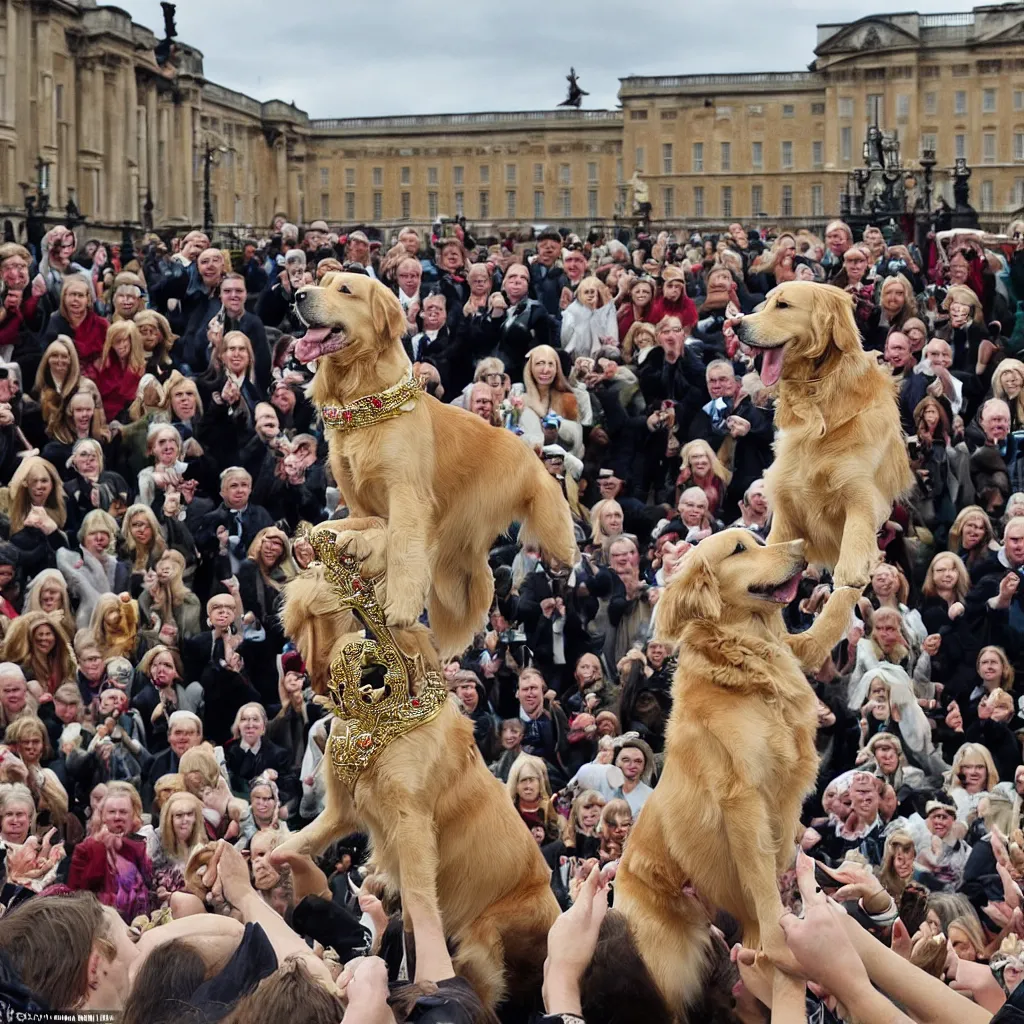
(723, 822)
(446, 482)
(443, 828)
(840, 461)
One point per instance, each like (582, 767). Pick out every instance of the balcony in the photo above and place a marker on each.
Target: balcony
(482, 121)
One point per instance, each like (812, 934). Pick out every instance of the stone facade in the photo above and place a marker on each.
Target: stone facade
(81, 96)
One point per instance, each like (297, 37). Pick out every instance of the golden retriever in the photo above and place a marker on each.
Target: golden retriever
(447, 483)
(840, 459)
(723, 822)
(442, 827)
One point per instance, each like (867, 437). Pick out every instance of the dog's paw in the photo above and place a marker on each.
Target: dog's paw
(856, 576)
(400, 612)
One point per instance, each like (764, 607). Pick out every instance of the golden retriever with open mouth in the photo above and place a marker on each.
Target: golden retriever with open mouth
(447, 483)
(840, 459)
(723, 822)
(443, 829)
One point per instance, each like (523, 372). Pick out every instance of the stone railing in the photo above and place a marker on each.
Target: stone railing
(234, 100)
(761, 78)
(510, 117)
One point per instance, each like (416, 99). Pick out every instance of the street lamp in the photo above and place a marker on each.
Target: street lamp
(212, 145)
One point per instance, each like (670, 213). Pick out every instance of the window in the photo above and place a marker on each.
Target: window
(638, 158)
(989, 67)
(960, 102)
(817, 110)
(787, 156)
(638, 115)
(874, 74)
(1018, 99)
(931, 103)
(485, 204)
(458, 175)
(987, 195)
(817, 201)
(929, 71)
(378, 203)
(538, 203)
(592, 202)
(1018, 146)
(666, 158)
(929, 140)
(726, 200)
(58, 106)
(988, 148)
(618, 169)
(565, 174)
(698, 201)
(1017, 199)
(845, 144)
(669, 115)
(485, 174)
(697, 161)
(788, 110)
(538, 174)
(406, 175)
(406, 205)
(378, 177)
(787, 200)
(876, 108)
(723, 112)
(350, 206)
(566, 202)
(432, 205)
(668, 201)
(988, 101)
(431, 175)
(725, 156)
(756, 200)
(510, 174)
(961, 70)
(510, 203)
(960, 147)
(846, 106)
(903, 105)
(818, 153)
(757, 155)
(325, 205)
(460, 204)
(592, 171)
(756, 110)
(325, 177)
(350, 177)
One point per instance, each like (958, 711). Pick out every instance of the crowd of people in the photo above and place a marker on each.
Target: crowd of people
(162, 466)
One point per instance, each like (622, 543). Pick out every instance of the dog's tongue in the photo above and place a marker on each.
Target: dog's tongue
(771, 366)
(307, 348)
(786, 593)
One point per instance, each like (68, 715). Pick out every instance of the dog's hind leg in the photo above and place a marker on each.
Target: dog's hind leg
(547, 522)
(480, 960)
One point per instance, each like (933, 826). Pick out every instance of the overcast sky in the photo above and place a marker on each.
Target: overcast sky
(352, 58)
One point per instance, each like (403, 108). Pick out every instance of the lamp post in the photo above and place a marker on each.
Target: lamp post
(213, 144)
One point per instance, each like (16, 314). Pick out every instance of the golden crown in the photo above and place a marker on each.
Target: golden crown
(375, 715)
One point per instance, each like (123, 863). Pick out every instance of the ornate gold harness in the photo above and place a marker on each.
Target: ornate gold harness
(374, 716)
(372, 409)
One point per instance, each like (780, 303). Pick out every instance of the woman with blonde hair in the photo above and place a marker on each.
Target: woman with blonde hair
(82, 418)
(49, 593)
(896, 304)
(994, 669)
(775, 265)
(897, 868)
(889, 589)
(945, 592)
(702, 468)
(181, 831)
(530, 792)
(182, 402)
(57, 379)
(606, 520)
(29, 739)
(90, 485)
(78, 321)
(166, 596)
(636, 302)
(971, 536)
(268, 567)
(972, 776)
(36, 643)
(548, 394)
(119, 368)
(157, 342)
(965, 331)
(589, 322)
(164, 446)
(115, 626)
(639, 341)
(37, 514)
(95, 570)
(1008, 384)
(142, 539)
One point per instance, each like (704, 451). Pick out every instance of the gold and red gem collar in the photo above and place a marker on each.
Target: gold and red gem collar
(373, 409)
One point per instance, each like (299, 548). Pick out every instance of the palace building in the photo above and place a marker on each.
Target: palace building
(87, 114)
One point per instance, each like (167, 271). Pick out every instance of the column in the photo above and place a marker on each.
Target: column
(131, 133)
(283, 198)
(11, 84)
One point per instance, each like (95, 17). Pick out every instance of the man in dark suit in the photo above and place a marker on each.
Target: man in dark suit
(231, 527)
(252, 754)
(440, 344)
(549, 283)
(184, 731)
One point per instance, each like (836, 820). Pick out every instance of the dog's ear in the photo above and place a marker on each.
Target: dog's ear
(836, 321)
(325, 281)
(692, 594)
(386, 313)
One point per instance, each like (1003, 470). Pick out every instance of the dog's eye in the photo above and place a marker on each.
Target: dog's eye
(739, 549)
(345, 290)
(782, 305)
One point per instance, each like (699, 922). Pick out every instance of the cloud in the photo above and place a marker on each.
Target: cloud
(366, 58)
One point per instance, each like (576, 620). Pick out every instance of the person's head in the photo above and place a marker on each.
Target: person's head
(182, 395)
(59, 366)
(67, 703)
(887, 629)
(947, 575)
(410, 275)
(235, 487)
(528, 780)
(897, 350)
(516, 282)
(865, 796)
(292, 993)
(210, 265)
(575, 264)
(126, 300)
(464, 686)
(899, 855)
(973, 769)
(585, 815)
(549, 247)
(530, 691)
(155, 332)
(693, 507)
(221, 611)
(14, 263)
(17, 814)
(264, 875)
(512, 731)
(994, 668)
(35, 483)
(856, 261)
(264, 800)
(995, 420)
(897, 297)
(181, 824)
(623, 554)
(161, 665)
(1013, 541)
(13, 688)
(250, 723)
(887, 751)
(74, 299)
(194, 243)
(184, 731)
(121, 810)
(641, 293)
(917, 332)
(721, 379)
(632, 760)
(616, 821)
(543, 367)
(481, 401)
(141, 531)
(451, 255)
(966, 937)
(838, 237)
(410, 241)
(971, 530)
(930, 419)
(237, 355)
(874, 239)
(606, 519)
(97, 532)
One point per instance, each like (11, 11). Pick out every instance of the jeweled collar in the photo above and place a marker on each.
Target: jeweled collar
(373, 409)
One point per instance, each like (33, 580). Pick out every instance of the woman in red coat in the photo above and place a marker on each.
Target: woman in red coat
(673, 300)
(78, 320)
(120, 367)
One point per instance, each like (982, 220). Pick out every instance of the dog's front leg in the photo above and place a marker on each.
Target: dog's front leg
(814, 645)
(408, 576)
(418, 862)
(858, 553)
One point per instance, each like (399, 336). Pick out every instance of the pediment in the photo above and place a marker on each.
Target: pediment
(866, 35)
(1012, 34)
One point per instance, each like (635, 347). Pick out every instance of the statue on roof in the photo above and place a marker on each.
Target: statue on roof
(576, 94)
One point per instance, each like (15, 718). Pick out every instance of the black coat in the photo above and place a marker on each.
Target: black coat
(243, 766)
(510, 337)
(546, 286)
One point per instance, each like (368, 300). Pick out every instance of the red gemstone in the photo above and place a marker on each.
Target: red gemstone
(365, 742)
(347, 415)
(357, 584)
(376, 402)
(415, 702)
